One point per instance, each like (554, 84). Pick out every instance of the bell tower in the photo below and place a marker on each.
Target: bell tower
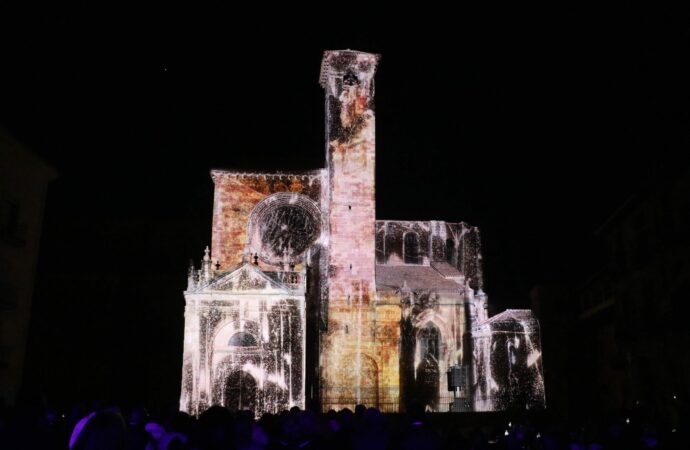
(349, 371)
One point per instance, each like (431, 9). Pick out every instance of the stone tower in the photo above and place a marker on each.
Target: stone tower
(350, 369)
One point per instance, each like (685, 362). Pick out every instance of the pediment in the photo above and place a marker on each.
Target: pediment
(247, 279)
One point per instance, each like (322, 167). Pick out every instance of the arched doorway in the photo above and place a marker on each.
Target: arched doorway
(240, 392)
(369, 382)
(359, 383)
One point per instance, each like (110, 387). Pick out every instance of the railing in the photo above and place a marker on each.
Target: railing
(291, 278)
(337, 398)
(386, 400)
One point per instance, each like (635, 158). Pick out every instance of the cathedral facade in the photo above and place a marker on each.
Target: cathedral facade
(307, 300)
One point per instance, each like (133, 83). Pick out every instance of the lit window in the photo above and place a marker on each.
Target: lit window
(242, 339)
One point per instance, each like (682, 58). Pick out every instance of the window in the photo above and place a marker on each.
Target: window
(450, 251)
(242, 339)
(429, 341)
(411, 248)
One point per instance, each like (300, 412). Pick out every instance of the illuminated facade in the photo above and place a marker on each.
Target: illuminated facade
(308, 300)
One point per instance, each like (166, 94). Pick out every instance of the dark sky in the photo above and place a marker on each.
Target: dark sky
(534, 124)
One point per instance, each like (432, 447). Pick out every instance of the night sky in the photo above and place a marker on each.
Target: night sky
(533, 125)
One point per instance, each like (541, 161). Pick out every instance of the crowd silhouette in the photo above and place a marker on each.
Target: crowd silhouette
(110, 428)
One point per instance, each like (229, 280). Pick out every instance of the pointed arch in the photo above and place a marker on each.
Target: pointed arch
(429, 338)
(411, 254)
(450, 251)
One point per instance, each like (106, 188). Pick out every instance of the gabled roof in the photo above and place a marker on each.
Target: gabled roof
(445, 269)
(246, 279)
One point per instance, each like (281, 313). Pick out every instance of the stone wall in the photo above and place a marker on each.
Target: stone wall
(237, 194)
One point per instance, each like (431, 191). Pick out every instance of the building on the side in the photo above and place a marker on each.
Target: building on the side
(632, 312)
(305, 299)
(21, 220)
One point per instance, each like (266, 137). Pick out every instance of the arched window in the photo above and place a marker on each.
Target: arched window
(450, 251)
(242, 339)
(411, 248)
(427, 376)
(430, 341)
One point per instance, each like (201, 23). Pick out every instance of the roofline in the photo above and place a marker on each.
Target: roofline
(240, 172)
(429, 220)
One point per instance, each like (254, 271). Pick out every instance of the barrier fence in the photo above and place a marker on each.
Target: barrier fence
(386, 400)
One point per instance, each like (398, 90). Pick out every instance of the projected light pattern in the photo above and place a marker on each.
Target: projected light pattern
(508, 371)
(390, 305)
(244, 343)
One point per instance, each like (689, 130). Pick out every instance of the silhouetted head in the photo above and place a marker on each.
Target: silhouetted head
(360, 410)
(103, 431)
(216, 427)
(181, 422)
(373, 416)
(155, 429)
(138, 416)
